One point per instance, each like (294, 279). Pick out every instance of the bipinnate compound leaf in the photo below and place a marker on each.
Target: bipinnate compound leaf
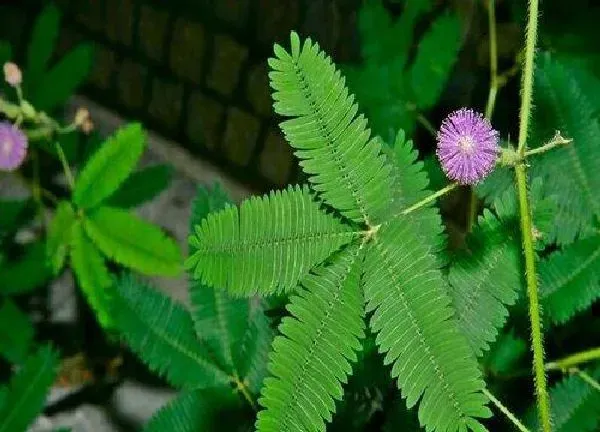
(141, 186)
(484, 280)
(27, 390)
(16, 332)
(266, 245)
(108, 168)
(312, 358)
(416, 329)
(570, 279)
(133, 242)
(92, 275)
(59, 233)
(161, 332)
(331, 140)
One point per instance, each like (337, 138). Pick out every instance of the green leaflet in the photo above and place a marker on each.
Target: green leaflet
(28, 272)
(141, 186)
(570, 279)
(267, 245)
(59, 233)
(194, 411)
(162, 333)
(41, 47)
(91, 273)
(108, 168)
(331, 140)
(505, 353)
(133, 242)
(313, 356)
(416, 329)
(484, 280)
(27, 390)
(16, 332)
(436, 55)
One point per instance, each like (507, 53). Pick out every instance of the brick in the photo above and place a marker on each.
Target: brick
(89, 13)
(119, 21)
(152, 31)
(105, 62)
(166, 103)
(205, 116)
(276, 18)
(130, 84)
(241, 134)
(276, 159)
(226, 64)
(187, 50)
(234, 12)
(258, 90)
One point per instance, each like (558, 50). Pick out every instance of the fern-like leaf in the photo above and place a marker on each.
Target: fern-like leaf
(313, 355)
(133, 242)
(161, 332)
(27, 390)
(59, 235)
(90, 270)
(331, 140)
(267, 245)
(109, 166)
(415, 327)
(570, 279)
(484, 280)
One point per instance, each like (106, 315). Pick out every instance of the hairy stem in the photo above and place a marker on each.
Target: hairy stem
(65, 165)
(429, 199)
(574, 360)
(543, 400)
(515, 421)
(556, 141)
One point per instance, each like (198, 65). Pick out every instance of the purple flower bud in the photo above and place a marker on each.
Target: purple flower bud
(13, 147)
(467, 146)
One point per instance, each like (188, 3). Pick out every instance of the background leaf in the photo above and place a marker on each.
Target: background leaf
(41, 46)
(26, 273)
(141, 186)
(59, 233)
(16, 332)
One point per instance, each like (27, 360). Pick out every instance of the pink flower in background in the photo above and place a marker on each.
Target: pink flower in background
(13, 147)
(467, 146)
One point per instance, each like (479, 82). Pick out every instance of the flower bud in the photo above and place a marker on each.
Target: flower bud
(12, 74)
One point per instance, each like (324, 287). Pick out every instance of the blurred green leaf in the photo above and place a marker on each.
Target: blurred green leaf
(27, 272)
(141, 186)
(11, 214)
(41, 46)
(16, 332)
(59, 235)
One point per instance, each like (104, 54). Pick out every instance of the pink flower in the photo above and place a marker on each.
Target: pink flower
(13, 147)
(467, 146)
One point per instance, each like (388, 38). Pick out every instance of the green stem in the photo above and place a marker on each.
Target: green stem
(243, 389)
(491, 102)
(543, 401)
(527, 81)
(556, 141)
(65, 165)
(588, 379)
(574, 360)
(515, 421)
(429, 199)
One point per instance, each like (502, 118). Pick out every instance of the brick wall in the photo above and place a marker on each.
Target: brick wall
(196, 70)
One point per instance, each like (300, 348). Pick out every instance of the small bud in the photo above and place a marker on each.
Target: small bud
(536, 234)
(12, 74)
(81, 116)
(88, 126)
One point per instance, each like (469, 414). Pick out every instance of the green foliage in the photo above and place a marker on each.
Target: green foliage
(505, 353)
(308, 88)
(391, 90)
(109, 166)
(16, 333)
(133, 242)
(59, 235)
(312, 357)
(570, 279)
(402, 283)
(12, 213)
(141, 186)
(41, 46)
(485, 279)
(27, 272)
(27, 390)
(91, 273)
(263, 245)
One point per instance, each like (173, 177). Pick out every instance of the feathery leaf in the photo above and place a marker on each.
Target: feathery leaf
(109, 166)
(330, 138)
(161, 333)
(27, 390)
(133, 242)
(267, 245)
(313, 356)
(415, 327)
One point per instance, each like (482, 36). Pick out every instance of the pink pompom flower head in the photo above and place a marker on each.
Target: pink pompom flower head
(13, 147)
(467, 146)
